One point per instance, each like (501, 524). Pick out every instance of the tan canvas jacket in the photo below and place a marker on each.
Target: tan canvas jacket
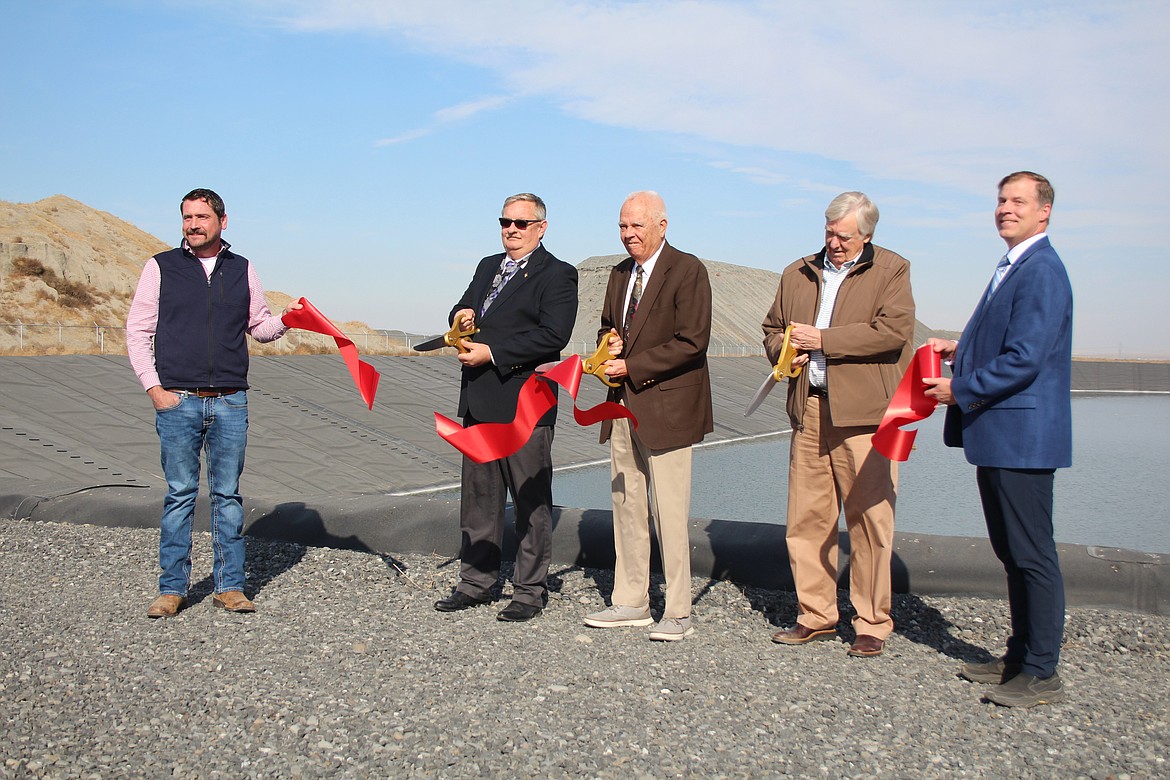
(869, 341)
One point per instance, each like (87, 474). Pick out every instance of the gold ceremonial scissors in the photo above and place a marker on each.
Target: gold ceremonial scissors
(453, 337)
(783, 365)
(595, 363)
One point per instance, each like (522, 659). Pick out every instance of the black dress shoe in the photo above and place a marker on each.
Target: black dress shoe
(518, 613)
(459, 600)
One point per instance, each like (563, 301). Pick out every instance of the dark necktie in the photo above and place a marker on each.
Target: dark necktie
(506, 272)
(633, 307)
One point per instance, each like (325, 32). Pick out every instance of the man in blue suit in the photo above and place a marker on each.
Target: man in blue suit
(1011, 412)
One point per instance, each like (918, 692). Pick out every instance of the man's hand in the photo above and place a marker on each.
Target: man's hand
(476, 355)
(945, 347)
(616, 345)
(800, 359)
(939, 388)
(616, 368)
(464, 318)
(292, 306)
(163, 399)
(805, 337)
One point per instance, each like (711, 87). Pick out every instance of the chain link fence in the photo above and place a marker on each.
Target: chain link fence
(25, 338)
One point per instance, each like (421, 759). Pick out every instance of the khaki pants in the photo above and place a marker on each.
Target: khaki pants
(830, 469)
(645, 481)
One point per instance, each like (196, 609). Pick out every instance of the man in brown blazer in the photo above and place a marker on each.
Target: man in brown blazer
(657, 317)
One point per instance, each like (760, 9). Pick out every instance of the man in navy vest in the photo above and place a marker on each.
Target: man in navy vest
(1010, 410)
(185, 337)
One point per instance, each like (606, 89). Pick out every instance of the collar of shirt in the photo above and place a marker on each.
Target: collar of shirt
(223, 247)
(829, 268)
(522, 262)
(1014, 253)
(648, 266)
(647, 269)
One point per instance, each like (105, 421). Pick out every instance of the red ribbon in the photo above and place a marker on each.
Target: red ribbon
(491, 441)
(909, 405)
(364, 375)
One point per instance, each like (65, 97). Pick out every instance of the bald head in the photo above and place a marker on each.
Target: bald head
(643, 224)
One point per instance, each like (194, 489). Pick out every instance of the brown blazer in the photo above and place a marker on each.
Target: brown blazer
(668, 387)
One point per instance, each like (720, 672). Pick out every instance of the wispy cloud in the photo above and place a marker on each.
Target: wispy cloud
(467, 110)
(927, 91)
(751, 172)
(445, 116)
(402, 138)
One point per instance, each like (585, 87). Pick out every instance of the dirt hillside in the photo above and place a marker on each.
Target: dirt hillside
(67, 275)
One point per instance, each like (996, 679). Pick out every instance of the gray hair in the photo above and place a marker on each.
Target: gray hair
(656, 205)
(527, 197)
(848, 202)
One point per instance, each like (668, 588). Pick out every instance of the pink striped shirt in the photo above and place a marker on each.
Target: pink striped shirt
(142, 321)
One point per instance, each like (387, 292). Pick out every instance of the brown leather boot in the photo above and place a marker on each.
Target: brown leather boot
(165, 606)
(233, 601)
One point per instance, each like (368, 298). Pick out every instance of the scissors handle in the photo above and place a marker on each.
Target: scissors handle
(454, 337)
(595, 363)
(784, 365)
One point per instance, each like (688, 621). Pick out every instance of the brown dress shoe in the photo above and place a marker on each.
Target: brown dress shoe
(233, 601)
(165, 606)
(865, 646)
(799, 635)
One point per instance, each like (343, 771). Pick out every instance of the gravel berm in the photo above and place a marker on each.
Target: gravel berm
(347, 671)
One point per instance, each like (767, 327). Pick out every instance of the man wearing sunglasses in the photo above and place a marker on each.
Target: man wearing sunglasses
(657, 316)
(524, 302)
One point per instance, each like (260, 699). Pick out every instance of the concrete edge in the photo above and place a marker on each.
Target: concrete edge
(749, 554)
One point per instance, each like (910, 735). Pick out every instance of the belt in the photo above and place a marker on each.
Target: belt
(203, 392)
(819, 392)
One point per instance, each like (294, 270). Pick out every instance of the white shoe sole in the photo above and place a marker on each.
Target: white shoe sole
(670, 637)
(634, 622)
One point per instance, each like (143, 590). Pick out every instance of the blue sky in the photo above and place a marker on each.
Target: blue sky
(364, 147)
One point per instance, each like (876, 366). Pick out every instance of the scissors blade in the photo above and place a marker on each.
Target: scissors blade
(430, 344)
(544, 368)
(761, 394)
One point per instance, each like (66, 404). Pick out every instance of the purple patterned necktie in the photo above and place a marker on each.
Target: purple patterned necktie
(506, 272)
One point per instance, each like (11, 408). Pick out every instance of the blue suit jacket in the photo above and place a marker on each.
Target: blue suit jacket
(1012, 370)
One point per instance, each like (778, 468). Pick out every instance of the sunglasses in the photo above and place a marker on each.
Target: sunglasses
(521, 224)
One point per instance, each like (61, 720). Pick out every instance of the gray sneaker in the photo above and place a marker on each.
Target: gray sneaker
(618, 616)
(1026, 690)
(672, 629)
(994, 672)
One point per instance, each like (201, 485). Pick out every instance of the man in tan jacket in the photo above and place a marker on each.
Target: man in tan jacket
(852, 318)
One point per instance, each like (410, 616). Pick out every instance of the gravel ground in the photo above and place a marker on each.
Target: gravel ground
(347, 671)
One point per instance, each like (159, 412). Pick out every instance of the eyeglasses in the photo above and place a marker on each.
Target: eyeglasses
(521, 224)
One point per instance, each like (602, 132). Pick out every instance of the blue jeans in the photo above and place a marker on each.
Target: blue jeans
(219, 426)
